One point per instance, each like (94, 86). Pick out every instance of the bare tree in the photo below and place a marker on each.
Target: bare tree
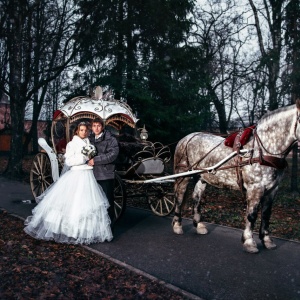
(274, 20)
(53, 46)
(218, 31)
(270, 42)
(38, 37)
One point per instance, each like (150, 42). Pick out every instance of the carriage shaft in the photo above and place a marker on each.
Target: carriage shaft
(204, 170)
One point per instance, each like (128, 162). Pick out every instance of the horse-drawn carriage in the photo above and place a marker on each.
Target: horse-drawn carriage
(138, 160)
(257, 168)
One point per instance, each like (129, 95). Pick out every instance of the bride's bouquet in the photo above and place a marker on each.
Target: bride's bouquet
(89, 150)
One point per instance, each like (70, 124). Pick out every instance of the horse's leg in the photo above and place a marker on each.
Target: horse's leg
(254, 194)
(266, 211)
(180, 189)
(197, 193)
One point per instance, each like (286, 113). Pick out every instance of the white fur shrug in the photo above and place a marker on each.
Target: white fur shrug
(73, 156)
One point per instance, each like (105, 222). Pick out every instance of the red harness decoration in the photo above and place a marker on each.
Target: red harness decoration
(245, 136)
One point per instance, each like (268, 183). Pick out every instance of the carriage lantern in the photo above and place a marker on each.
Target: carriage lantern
(143, 134)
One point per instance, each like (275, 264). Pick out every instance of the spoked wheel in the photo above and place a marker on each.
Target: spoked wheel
(161, 198)
(120, 197)
(40, 174)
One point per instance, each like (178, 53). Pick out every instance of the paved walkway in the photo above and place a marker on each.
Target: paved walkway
(213, 266)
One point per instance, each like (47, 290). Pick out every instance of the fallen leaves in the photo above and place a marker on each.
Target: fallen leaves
(33, 269)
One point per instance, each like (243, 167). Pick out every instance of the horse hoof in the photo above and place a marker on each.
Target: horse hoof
(201, 229)
(177, 228)
(250, 246)
(268, 243)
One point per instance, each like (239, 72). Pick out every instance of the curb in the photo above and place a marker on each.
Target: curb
(147, 275)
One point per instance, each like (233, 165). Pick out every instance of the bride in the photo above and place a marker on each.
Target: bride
(73, 210)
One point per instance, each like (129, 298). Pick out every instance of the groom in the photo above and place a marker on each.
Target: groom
(103, 162)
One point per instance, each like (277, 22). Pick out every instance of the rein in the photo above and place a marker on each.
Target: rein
(284, 152)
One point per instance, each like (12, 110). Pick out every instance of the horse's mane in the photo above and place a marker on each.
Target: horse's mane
(273, 114)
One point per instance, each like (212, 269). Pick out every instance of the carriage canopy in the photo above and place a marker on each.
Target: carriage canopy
(116, 115)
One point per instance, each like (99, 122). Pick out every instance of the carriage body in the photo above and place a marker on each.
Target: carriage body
(138, 160)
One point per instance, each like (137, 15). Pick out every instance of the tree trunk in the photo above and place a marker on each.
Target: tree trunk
(17, 101)
(33, 132)
(220, 110)
(14, 168)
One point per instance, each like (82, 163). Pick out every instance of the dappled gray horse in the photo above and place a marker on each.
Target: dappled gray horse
(258, 173)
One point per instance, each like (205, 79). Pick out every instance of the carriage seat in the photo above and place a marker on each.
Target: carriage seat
(147, 166)
(143, 163)
(136, 158)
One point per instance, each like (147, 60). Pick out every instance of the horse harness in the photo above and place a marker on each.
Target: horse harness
(270, 160)
(279, 163)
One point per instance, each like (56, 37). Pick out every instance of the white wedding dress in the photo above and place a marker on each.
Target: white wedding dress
(74, 209)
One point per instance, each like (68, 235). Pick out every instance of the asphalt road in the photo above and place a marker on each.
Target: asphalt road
(213, 266)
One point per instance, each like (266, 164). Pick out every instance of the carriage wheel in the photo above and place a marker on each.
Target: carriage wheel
(120, 197)
(161, 198)
(40, 174)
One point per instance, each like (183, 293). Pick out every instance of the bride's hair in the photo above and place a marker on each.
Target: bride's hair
(79, 125)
